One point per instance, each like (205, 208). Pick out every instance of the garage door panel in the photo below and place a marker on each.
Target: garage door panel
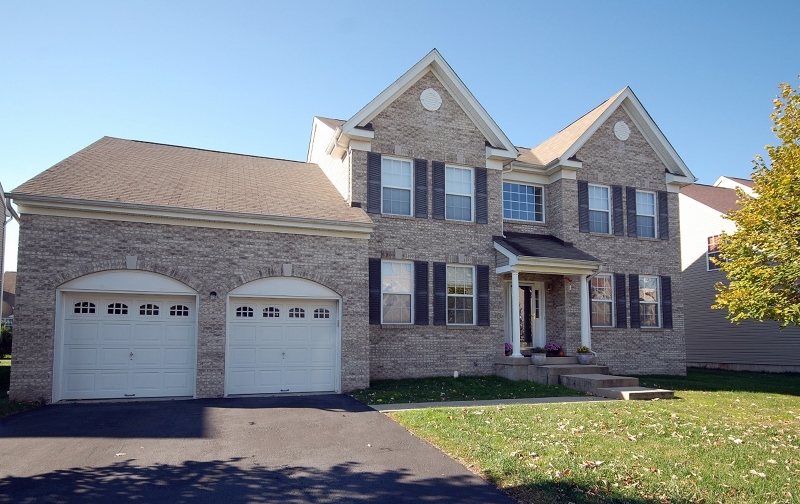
(81, 332)
(113, 357)
(320, 378)
(295, 356)
(240, 357)
(319, 356)
(270, 380)
(96, 361)
(270, 334)
(295, 378)
(296, 333)
(269, 356)
(243, 334)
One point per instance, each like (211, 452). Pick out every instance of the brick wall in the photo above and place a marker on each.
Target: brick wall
(54, 250)
(408, 130)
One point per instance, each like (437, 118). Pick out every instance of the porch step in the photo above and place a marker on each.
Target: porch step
(593, 382)
(634, 393)
(550, 374)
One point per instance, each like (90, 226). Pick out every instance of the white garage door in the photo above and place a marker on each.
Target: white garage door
(281, 346)
(118, 346)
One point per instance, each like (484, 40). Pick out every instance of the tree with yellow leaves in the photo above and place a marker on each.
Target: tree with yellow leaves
(762, 258)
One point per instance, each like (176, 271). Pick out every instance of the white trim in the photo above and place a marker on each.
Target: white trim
(612, 301)
(657, 303)
(656, 211)
(609, 211)
(708, 253)
(472, 196)
(544, 205)
(410, 293)
(435, 63)
(474, 294)
(84, 209)
(544, 265)
(410, 188)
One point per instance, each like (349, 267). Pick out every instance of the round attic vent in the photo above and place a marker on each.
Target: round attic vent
(430, 99)
(622, 131)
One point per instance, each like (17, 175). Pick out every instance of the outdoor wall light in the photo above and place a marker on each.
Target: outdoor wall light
(213, 295)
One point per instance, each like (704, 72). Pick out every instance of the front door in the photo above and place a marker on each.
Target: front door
(531, 315)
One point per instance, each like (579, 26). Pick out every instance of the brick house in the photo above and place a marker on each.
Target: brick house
(415, 240)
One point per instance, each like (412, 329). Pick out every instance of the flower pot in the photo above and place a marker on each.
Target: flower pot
(585, 358)
(538, 359)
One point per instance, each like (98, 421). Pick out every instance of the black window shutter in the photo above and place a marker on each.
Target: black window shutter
(374, 291)
(633, 287)
(619, 300)
(420, 293)
(583, 206)
(373, 182)
(619, 225)
(439, 293)
(438, 190)
(630, 197)
(421, 188)
(666, 302)
(481, 203)
(663, 215)
(483, 294)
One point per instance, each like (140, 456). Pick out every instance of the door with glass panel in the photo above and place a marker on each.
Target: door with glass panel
(531, 316)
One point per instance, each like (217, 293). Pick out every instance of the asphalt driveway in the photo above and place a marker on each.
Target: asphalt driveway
(318, 449)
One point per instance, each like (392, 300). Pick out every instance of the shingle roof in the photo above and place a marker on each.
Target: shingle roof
(545, 246)
(558, 144)
(743, 181)
(129, 171)
(720, 199)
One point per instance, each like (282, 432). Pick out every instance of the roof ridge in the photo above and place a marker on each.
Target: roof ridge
(210, 150)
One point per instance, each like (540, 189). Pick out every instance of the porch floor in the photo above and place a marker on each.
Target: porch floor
(592, 378)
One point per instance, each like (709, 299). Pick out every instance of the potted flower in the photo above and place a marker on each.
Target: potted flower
(538, 356)
(509, 349)
(554, 349)
(585, 355)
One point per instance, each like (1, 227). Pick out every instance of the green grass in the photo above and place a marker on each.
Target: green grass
(729, 437)
(10, 407)
(465, 388)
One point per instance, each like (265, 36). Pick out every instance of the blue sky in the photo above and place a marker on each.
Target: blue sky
(248, 77)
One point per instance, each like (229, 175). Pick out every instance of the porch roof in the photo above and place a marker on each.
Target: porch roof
(543, 254)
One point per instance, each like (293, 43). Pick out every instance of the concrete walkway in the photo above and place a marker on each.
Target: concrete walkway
(492, 402)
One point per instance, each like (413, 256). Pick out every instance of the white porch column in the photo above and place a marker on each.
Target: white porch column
(586, 331)
(515, 314)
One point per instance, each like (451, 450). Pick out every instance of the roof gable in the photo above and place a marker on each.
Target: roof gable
(721, 199)
(435, 63)
(566, 143)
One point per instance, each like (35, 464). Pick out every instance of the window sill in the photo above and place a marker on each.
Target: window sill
(647, 238)
(606, 328)
(523, 221)
(602, 235)
(396, 326)
(454, 221)
(398, 216)
(463, 326)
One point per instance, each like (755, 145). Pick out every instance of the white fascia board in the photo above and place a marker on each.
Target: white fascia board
(567, 163)
(361, 134)
(189, 217)
(675, 182)
(512, 257)
(360, 146)
(442, 70)
(556, 266)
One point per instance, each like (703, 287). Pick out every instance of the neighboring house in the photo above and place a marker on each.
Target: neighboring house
(711, 339)
(414, 241)
(9, 289)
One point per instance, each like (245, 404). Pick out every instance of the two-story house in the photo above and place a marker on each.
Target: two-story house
(712, 341)
(415, 240)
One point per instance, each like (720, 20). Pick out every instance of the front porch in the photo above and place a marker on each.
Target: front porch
(593, 379)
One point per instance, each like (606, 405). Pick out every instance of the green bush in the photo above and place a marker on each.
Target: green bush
(5, 340)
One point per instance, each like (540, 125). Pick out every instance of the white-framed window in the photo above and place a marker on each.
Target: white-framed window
(649, 302)
(460, 295)
(322, 313)
(244, 312)
(458, 190)
(297, 313)
(179, 311)
(396, 292)
(396, 183)
(149, 309)
(599, 209)
(645, 214)
(84, 307)
(271, 312)
(523, 202)
(602, 295)
(712, 253)
(117, 309)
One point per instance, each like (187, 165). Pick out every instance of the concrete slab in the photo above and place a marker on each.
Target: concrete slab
(635, 393)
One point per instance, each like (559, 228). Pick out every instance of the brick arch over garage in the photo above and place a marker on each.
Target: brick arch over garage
(259, 274)
(122, 265)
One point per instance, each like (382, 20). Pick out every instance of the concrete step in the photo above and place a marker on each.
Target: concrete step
(591, 382)
(549, 374)
(634, 393)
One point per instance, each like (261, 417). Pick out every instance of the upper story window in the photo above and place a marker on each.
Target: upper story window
(523, 202)
(85, 307)
(649, 302)
(396, 285)
(645, 214)
(713, 253)
(599, 209)
(458, 193)
(602, 301)
(460, 295)
(396, 181)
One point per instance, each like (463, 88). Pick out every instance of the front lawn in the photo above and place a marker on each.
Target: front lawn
(735, 440)
(465, 388)
(10, 407)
